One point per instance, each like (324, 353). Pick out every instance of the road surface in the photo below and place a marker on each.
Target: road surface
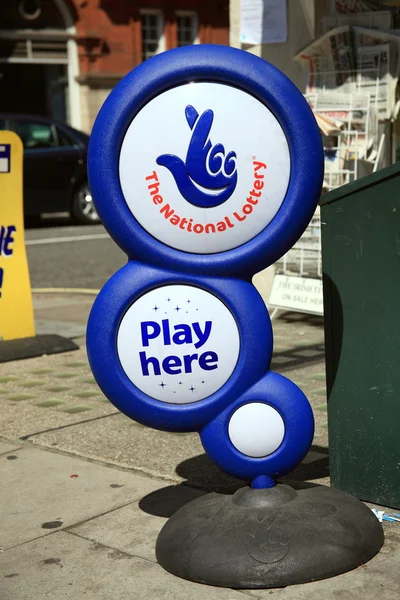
(69, 256)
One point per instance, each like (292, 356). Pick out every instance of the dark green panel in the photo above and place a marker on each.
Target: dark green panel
(361, 262)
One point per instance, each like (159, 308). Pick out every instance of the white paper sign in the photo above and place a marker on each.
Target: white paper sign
(301, 294)
(263, 22)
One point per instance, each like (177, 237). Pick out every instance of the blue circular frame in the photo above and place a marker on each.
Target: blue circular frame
(131, 282)
(295, 410)
(219, 64)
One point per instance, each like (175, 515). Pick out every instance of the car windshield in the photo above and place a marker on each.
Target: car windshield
(36, 135)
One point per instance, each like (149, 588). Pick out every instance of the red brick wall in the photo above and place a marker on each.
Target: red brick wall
(109, 32)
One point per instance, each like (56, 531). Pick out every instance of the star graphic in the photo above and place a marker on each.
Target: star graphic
(177, 309)
(162, 385)
(192, 389)
(188, 301)
(203, 382)
(155, 308)
(180, 382)
(168, 299)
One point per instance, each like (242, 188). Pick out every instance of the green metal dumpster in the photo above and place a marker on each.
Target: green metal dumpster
(361, 265)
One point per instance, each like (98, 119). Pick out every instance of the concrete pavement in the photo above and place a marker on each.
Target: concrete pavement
(74, 528)
(85, 490)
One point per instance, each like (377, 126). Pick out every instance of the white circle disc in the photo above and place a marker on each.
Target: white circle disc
(256, 429)
(244, 136)
(178, 344)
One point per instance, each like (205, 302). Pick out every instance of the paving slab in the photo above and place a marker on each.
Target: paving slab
(71, 312)
(23, 416)
(120, 441)
(63, 313)
(295, 331)
(67, 329)
(179, 457)
(41, 491)
(63, 566)
(134, 528)
(52, 300)
(175, 457)
(48, 392)
(6, 447)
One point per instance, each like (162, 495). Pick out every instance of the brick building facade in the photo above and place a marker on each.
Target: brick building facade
(61, 58)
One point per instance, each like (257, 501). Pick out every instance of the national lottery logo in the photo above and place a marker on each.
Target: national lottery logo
(204, 167)
(208, 177)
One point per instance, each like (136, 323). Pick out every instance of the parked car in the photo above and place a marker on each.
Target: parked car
(55, 173)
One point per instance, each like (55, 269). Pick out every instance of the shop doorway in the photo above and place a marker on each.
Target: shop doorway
(35, 89)
(39, 59)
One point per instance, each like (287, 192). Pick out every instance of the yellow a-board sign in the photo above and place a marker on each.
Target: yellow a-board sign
(16, 310)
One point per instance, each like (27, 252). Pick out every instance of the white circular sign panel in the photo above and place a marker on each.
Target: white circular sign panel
(178, 344)
(256, 429)
(196, 143)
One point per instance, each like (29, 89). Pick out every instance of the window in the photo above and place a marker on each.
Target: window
(30, 9)
(152, 33)
(65, 140)
(36, 135)
(187, 28)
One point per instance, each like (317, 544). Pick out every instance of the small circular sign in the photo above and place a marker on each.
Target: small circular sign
(204, 167)
(256, 429)
(178, 344)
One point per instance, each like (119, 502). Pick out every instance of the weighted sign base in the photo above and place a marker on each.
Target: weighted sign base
(269, 538)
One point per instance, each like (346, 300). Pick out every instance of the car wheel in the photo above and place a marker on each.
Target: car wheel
(83, 209)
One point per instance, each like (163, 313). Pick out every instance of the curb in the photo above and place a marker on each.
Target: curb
(65, 291)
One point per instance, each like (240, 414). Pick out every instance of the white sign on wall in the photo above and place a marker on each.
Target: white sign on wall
(263, 22)
(178, 344)
(217, 170)
(301, 294)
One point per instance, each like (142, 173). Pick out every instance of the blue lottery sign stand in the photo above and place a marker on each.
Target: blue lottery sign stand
(205, 166)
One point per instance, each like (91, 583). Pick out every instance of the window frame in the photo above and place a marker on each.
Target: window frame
(143, 12)
(195, 25)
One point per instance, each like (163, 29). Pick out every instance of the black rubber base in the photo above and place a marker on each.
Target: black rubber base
(34, 346)
(269, 538)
